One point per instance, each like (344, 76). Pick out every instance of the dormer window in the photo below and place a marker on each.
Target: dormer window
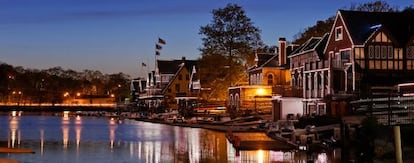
(338, 33)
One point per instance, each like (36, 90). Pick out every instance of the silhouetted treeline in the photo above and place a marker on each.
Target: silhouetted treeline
(18, 84)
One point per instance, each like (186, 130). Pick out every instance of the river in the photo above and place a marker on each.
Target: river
(66, 138)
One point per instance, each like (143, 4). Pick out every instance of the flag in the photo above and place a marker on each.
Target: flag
(158, 47)
(157, 53)
(161, 41)
(143, 64)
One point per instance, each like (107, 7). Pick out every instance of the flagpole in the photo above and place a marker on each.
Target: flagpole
(158, 48)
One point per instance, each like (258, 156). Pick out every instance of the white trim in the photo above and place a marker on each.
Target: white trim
(337, 36)
(317, 70)
(311, 99)
(338, 16)
(186, 98)
(250, 86)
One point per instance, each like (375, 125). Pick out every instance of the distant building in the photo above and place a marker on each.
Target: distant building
(137, 87)
(172, 81)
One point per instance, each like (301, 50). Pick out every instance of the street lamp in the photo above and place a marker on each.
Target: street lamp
(260, 92)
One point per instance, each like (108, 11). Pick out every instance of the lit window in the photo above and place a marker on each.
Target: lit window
(384, 51)
(390, 50)
(270, 79)
(338, 33)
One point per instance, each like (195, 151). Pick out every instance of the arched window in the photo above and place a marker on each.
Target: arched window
(237, 101)
(270, 79)
(231, 100)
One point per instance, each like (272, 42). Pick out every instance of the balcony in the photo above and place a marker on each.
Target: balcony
(287, 91)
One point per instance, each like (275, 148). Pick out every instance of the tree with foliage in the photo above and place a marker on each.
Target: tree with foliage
(229, 43)
(322, 27)
(48, 86)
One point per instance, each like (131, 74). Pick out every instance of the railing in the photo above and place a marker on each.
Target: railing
(287, 91)
(57, 105)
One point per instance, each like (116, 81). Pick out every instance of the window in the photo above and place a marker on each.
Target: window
(237, 100)
(390, 54)
(384, 65)
(410, 52)
(371, 52)
(231, 100)
(377, 52)
(371, 65)
(377, 64)
(270, 79)
(384, 51)
(396, 53)
(177, 87)
(357, 53)
(338, 33)
(390, 65)
(345, 55)
(180, 77)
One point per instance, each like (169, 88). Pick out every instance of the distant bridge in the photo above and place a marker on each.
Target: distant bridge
(48, 107)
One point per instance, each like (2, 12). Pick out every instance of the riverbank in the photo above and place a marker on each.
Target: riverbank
(209, 126)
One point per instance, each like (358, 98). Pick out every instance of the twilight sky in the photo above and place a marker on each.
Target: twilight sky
(118, 35)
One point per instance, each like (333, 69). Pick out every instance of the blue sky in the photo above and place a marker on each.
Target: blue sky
(118, 35)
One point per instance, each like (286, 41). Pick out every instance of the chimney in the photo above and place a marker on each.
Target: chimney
(282, 51)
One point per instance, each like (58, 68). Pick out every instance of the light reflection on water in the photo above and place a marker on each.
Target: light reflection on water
(90, 139)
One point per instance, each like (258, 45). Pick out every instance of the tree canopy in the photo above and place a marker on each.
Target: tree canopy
(229, 43)
(231, 33)
(48, 86)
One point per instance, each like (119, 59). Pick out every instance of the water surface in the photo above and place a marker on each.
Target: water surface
(102, 139)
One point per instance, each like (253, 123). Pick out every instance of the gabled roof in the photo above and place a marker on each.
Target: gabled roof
(313, 44)
(181, 67)
(361, 25)
(265, 60)
(172, 66)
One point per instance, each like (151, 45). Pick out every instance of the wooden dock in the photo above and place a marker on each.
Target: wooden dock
(15, 150)
(256, 141)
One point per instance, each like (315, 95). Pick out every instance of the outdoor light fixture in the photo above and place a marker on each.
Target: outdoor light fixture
(260, 91)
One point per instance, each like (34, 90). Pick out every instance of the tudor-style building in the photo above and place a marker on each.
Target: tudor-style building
(309, 71)
(365, 50)
(368, 49)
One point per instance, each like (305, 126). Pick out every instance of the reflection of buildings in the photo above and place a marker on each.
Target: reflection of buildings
(65, 129)
(14, 136)
(112, 128)
(78, 130)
